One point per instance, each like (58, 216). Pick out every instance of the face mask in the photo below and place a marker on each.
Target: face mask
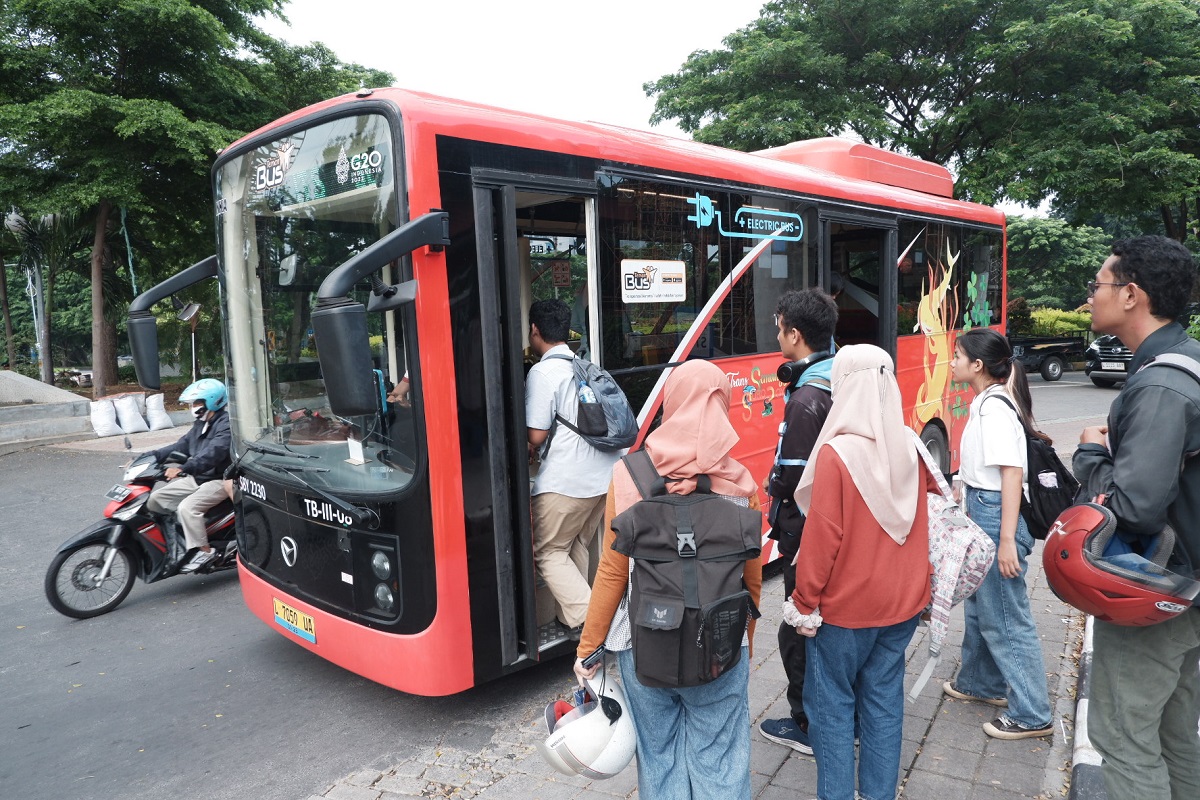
(199, 411)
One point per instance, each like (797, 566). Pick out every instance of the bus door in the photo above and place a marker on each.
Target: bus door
(534, 244)
(862, 250)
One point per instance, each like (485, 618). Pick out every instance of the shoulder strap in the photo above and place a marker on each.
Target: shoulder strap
(820, 383)
(1177, 360)
(645, 476)
(1004, 397)
(559, 356)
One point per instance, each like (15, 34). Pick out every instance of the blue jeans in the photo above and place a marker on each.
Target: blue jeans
(693, 743)
(861, 668)
(1001, 652)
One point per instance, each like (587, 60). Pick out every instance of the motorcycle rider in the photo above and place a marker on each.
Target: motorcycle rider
(195, 486)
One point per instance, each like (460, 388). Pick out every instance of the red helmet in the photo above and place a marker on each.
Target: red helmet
(1124, 589)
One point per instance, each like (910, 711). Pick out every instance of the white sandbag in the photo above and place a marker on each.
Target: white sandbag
(128, 416)
(156, 413)
(104, 418)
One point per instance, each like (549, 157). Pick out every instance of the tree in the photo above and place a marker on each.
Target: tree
(50, 246)
(1092, 102)
(114, 106)
(1051, 261)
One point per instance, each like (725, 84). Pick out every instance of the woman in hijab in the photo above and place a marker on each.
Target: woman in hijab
(862, 575)
(693, 743)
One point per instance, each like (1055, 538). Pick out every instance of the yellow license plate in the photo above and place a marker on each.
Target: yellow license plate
(295, 621)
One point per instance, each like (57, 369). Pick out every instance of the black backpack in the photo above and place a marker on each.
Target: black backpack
(1052, 487)
(688, 606)
(607, 422)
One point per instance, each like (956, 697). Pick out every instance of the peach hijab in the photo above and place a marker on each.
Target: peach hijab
(695, 436)
(866, 427)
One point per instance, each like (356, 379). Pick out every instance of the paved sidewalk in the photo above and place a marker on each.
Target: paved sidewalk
(945, 754)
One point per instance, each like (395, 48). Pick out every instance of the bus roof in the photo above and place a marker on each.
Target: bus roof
(827, 167)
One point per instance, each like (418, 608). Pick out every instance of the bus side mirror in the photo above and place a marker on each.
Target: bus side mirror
(143, 342)
(344, 350)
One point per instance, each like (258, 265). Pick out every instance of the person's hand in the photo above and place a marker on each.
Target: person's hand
(767, 485)
(582, 673)
(172, 473)
(1095, 434)
(806, 631)
(400, 393)
(1006, 558)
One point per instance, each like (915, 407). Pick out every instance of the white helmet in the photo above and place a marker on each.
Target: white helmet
(595, 737)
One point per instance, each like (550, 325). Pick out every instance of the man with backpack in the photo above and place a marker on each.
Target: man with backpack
(1145, 694)
(802, 317)
(573, 477)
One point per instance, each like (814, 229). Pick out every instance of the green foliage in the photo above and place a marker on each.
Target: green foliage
(126, 374)
(1020, 317)
(1054, 321)
(1093, 103)
(1194, 327)
(116, 109)
(1050, 261)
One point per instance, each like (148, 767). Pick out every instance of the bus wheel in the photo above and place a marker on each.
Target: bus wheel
(935, 442)
(1052, 368)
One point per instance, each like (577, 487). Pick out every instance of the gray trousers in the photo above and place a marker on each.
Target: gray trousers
(190, 500)
(1144, 705)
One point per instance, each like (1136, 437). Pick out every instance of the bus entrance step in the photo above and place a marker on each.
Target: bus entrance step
(550, 634)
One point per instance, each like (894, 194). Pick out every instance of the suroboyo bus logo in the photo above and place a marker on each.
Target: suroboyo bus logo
(645, 281)
(270, 173)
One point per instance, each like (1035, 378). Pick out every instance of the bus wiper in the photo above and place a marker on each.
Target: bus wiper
(276, 451)
(360, 516)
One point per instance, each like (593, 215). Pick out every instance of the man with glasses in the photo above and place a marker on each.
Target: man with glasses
(1145, 695)
(805, 321)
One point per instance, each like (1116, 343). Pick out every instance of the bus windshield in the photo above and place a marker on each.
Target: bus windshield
(288, 213)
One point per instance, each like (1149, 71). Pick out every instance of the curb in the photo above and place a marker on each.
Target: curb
(1087, 782)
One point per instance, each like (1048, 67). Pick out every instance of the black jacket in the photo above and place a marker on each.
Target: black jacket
(1152, 425)
(207, 447)
(805, 413)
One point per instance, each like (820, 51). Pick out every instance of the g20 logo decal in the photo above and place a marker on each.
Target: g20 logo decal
(749, 222)
(358, 166)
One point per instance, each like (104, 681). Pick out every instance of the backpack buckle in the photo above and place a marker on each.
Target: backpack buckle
(685, 544)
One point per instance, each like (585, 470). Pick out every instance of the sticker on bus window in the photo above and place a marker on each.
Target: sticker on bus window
(645, 281)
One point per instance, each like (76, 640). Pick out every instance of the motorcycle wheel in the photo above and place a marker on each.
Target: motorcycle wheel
(70, 581)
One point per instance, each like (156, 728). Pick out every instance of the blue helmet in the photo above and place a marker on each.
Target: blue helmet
(210, 390)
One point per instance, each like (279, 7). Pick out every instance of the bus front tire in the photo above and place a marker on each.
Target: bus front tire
(935, 442)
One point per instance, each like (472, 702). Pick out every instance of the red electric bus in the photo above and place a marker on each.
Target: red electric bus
(390, 234)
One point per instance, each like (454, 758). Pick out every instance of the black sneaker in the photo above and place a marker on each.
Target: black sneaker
(1004, 728)
(197, 561)
(787, 733)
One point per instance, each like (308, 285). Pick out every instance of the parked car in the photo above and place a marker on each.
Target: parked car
(1049, 355)
(1107, 361)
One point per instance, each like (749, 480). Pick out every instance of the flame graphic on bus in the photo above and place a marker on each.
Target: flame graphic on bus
(935, 313)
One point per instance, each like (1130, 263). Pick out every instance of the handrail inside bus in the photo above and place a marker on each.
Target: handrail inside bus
(143, 327)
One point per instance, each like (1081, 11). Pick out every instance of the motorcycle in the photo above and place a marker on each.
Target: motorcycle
(93, 571)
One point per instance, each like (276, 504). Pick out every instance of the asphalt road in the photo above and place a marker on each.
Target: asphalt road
(181, 691)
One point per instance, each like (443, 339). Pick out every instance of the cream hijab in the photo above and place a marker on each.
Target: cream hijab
(866, 428)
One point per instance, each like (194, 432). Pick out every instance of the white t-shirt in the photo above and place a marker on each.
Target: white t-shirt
(571, 467)
(993, 438)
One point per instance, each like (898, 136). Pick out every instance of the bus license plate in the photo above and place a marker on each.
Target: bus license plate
(1112, 365)
(118, 493)
(295, 621)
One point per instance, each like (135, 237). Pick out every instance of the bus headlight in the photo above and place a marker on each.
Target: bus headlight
(381, 565)
(383, 597)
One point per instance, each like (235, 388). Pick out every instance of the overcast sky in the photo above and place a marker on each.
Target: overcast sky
(561, 58)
